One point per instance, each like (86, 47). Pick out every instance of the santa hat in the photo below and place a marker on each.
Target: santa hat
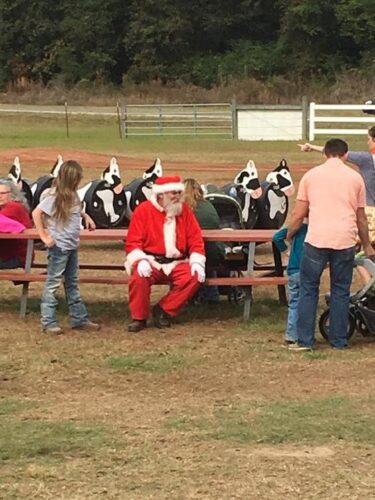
(167, 183)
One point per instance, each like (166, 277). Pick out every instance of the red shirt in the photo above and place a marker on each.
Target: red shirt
(15, 248)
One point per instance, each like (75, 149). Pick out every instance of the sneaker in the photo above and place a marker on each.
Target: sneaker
(88, 326)
(56, 330)
(288, 343)
(137, 325)
(161, 318)
(299, 348)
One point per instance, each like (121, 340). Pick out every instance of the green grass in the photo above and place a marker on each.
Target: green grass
(13, 406)
(34, 438)
(316, 421)
(154, 362)
(102, 135)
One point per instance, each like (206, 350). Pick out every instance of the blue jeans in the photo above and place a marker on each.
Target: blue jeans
(62, 264)
(314, 260)
(293, 292)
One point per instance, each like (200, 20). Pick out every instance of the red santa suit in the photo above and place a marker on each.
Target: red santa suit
(171, 244)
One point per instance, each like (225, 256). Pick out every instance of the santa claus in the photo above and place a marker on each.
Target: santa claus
(164, 246)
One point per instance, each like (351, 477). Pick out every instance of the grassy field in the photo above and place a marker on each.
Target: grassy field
(102, 136)
(213, 408)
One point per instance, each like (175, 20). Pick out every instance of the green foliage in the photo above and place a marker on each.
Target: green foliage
(206, 43)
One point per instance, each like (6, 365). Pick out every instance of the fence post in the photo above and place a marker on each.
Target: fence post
(234, 119)
(195, 118)
(119, 119)
(124, 114)
(66, 118)
(312, 122)
(160, 120)
(305, 117)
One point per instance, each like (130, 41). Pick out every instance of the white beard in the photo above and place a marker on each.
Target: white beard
(173, 208)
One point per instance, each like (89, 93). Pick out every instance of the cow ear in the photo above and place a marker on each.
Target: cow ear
(250, 165)
(158, 168)
(284, 164)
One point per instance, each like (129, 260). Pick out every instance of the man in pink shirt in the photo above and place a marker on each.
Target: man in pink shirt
(333, 196)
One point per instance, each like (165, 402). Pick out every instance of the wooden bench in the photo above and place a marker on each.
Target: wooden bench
(251, 237)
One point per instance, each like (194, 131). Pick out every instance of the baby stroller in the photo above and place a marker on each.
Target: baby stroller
(361, 307)
(230, 215)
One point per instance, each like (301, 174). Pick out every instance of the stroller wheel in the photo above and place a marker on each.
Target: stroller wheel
(362, 328)
(324, 325)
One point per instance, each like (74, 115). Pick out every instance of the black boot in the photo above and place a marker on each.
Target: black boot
(137, 325)
(161, 318)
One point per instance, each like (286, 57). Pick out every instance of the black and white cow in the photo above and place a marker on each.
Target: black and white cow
(264, 205)
(45, 182)
(140, 189)
(104, 199)
(15, 175)
(272, 206)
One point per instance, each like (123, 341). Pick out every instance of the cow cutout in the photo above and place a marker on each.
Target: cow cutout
(104, 199)
(140, 189)
(40, 186)
(15, 175)
(269, 209)
(248, 179)
(281, 177)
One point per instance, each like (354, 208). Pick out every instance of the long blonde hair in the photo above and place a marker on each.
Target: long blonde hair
(193, 193)
(66, 185)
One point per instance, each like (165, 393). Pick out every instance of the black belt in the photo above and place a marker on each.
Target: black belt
(162, 259)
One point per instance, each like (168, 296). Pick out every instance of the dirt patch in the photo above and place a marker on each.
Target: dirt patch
(289, 451)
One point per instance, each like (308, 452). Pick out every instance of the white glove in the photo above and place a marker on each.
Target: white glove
(199, 269)
(144, 268)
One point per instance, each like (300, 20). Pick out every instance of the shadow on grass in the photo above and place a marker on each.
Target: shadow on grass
(316, 421)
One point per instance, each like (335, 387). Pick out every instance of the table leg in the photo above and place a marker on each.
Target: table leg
(279, 271)
(250, 272)
(25, 286)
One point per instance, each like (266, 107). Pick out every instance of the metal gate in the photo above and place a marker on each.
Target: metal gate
(177, 119)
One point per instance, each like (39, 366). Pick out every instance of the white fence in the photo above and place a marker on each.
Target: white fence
(334, 116)
(271, 123)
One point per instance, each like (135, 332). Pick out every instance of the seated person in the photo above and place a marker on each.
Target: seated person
(208, 218)
(13, 206)
(164, 245)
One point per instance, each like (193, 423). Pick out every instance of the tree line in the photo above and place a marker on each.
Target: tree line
(203, 42)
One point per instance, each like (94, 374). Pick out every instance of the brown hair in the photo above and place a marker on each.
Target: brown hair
(193, 193)
(371, 132)
(66, 184)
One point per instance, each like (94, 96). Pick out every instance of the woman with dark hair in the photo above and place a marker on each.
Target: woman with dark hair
(13, 208)
(207, 218)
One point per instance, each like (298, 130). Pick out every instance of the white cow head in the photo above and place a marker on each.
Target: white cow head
(155, 171)
(248, 179)
(281, 176)
(112, 176)
(15, 172)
